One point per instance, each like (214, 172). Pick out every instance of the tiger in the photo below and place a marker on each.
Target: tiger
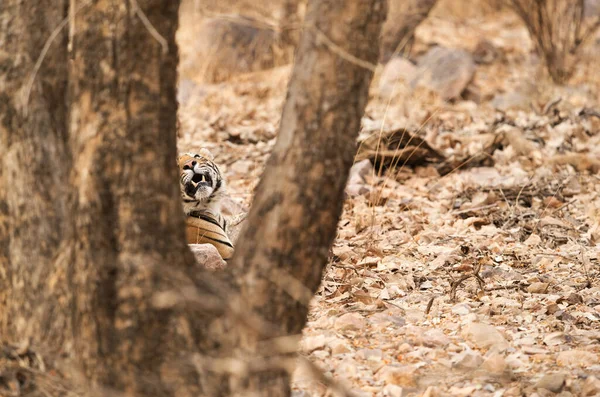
(202, 191)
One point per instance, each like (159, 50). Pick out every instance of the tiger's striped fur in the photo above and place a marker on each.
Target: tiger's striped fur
(202, 189)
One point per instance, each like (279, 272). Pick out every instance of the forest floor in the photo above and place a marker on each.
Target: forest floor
(477, 280)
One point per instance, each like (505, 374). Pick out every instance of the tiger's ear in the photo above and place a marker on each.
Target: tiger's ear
(179, 157)
(206, 154)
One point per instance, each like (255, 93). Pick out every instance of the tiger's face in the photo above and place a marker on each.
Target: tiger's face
(200, 181)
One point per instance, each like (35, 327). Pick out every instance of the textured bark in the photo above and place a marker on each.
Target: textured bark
(88, 215)
(35, 162)
(399, 30)
(283, 250)
(290, 24)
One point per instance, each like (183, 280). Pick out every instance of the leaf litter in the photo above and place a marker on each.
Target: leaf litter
(467, 257)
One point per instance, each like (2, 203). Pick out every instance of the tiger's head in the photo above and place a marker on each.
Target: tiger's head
(202, 185)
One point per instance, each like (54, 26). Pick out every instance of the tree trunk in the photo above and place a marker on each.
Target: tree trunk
(281, 254)
(290, 24)
(86, 217)
(35, 164)
(399, 30)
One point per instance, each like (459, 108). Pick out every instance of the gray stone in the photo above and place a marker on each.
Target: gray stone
(538, 288)
(207, 256)
(404, 376)
(495, 364)
(392, 391)
(484, 336)
(338, 346)
(444, 70)
(467, 360)
(552, 382)
(397, 69)
(591, 387)
(435, 337)
(576, 359)
(350, 322)
(370, 354)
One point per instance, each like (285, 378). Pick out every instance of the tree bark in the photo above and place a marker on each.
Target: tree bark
(281, 254)
(290, 24)
(399, 30)
(88, 219)
(35, 164)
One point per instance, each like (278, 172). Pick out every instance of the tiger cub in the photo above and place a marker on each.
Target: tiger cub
(202, 189)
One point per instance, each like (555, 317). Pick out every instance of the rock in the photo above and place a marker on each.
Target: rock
(242, 167)
(461, 309)
(484, 336)
(538, 288)
(591, 387)
(445, 71)
(374, 355)
(356, 185)
(350, 322)
(359, 171)
(312, 343)
(552, 382)
(404, 376)
(338, 346)
(576, 359)
(495, 364)
(347, 369)
(532, 240)
(320, 354)
(485, 52)
(572, 299)
(468, 359)
(555, 338)
(357, 190)
(435, 337)
(398, 68)
(511, 100)
(207, 256)
(392, 391)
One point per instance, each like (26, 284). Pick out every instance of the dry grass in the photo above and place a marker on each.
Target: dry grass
(559, 29)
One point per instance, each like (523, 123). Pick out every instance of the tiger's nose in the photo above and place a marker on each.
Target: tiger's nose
(190, 165)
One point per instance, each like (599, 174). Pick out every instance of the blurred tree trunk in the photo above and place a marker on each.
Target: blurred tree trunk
(93, 261)
(86, 219)
(35, 164)
(290, 24)
(282, 252)
(399, 30)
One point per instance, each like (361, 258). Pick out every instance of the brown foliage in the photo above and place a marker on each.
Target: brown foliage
(558, 29)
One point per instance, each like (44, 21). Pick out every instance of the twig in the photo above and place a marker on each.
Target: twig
(587, 112)
(551, 104)
(429, 304)
(456, 283)
(341, 52)
(585, 262)
(568, 203)
(153, 32)
(483, 207)
(38, 63)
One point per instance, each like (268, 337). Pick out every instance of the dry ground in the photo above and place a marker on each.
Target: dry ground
(484, 281)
